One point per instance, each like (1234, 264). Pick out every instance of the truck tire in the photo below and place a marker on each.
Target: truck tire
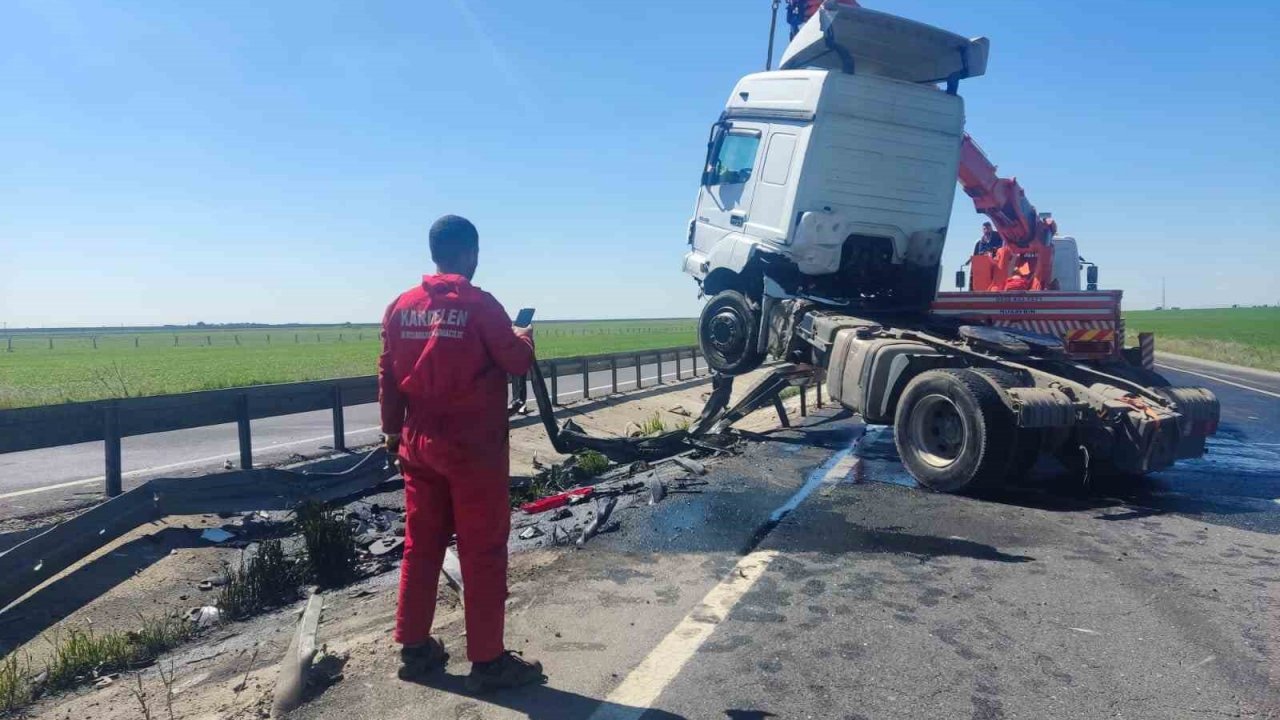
(728, 330)
(1025, 452)
(953, 432)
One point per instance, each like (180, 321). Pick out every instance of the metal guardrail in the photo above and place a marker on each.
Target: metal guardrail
(110, 420)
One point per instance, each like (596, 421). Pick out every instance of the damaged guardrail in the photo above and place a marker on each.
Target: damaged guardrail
(29, 564)
(110, 420)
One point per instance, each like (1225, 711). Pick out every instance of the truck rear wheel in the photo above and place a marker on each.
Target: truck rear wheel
(953, 432)
(728, 330)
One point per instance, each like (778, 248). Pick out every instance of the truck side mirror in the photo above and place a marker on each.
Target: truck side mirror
(1091, 277)
(960, 279)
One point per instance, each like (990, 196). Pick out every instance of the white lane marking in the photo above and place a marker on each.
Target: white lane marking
(637, 692)
(1218, 379)
(178, 465)
(573, 393)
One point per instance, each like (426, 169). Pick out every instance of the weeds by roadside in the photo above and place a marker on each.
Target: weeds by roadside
(653, 426)
(591, 463)
(267, 579)
(15, 683)
(331, 546)
(82, 655)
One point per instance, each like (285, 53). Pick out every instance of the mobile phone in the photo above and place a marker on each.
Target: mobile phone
(524, 317)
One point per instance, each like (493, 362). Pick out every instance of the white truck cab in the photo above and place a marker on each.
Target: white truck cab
(831, 178)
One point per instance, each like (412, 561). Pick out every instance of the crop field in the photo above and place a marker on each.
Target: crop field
(1241, 336)
(42, 368)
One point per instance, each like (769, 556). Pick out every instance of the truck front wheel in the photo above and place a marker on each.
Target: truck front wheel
(953, 432)
(727, 333)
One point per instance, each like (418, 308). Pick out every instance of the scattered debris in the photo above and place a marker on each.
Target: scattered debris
(560, 514)
(203, 617)
(604, 508)
(452, 570)
(559, 500)
(104, 681)
(228, 465)
(384, 545)
(679, 410)
(657, 490)
(690, 464)
(216, 535)
(531, 532)
(359, 593)
(210, 583)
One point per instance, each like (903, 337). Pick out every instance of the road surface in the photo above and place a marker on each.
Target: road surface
(813, 579)
(41, 481)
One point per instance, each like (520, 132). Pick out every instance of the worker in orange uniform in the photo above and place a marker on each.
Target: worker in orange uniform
(447, 350)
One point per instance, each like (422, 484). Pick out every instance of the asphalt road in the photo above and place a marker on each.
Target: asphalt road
(40, 481)
(811, 578)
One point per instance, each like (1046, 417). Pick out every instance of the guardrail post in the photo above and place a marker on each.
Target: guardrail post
(804, 398)
(678, 377)
(111, 443)
(586, 379)
(242, 424)
(659, 367)
(639, 378)
(817, 391)
(613, 371)
(339, 422)
(555, 385)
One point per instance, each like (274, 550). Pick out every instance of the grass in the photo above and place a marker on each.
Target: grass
(591, 463)
(653, 426)
(15, 684)
(80, 655)
(331, 545)
(267, 579)
(155, 362)
(1240, 336)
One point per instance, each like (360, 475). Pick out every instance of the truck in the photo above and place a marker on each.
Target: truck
(817, 239)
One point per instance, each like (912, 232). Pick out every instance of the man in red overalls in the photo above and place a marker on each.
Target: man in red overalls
(447, 349)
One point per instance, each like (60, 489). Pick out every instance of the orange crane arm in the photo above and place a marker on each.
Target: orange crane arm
(1001, 199)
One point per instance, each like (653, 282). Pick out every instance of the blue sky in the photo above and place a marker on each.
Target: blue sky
(236, 161)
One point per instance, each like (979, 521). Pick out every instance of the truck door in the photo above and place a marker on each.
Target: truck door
(724, 202)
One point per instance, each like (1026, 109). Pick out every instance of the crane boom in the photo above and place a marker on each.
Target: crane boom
(1025, 262)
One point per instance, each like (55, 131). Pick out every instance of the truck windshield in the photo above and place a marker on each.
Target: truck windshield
(734, 161)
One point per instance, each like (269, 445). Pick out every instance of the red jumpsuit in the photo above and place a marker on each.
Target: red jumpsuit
(447, 350)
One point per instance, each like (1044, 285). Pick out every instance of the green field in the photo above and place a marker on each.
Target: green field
(92, 365)
(1241, 336)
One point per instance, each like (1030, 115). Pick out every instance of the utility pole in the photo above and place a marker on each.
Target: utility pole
(1164, 301)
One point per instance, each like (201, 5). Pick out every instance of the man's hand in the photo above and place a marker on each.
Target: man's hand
(391, 441)
(523, 332)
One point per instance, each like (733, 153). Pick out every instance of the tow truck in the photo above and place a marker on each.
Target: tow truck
(818, 235)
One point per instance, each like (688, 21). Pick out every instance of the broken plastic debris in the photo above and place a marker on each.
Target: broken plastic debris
(604, 508)
(691, 465)
(531, 532)
(657, 491)
(551, 502)
(204, 616)
(216, 535)
(382, 546)
(679, 410)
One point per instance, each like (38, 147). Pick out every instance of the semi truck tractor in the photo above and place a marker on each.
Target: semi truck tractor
(817, 239)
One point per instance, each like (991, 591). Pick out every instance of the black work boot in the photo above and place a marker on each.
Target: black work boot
(420, 660)
(508, 671)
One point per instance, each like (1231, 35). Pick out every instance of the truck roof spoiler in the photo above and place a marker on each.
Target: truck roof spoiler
(849, 39)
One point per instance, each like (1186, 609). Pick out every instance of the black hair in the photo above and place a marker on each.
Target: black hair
(452, 238)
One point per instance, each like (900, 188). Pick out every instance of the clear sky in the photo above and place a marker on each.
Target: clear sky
(247, 161)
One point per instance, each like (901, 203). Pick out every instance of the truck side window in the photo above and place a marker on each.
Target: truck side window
(735, 160)
(777, 159)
